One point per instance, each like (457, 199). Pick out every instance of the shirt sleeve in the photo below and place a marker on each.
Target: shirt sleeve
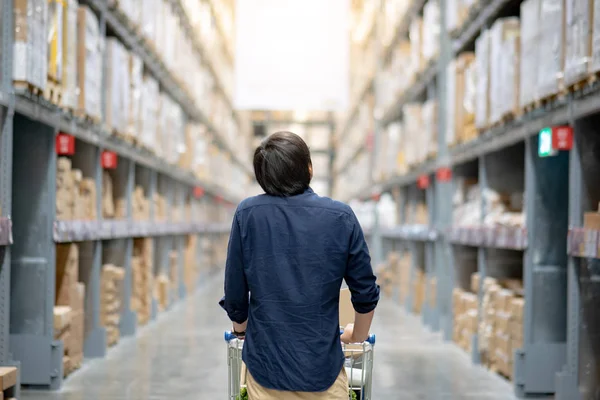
(235, 301)
(364, 290)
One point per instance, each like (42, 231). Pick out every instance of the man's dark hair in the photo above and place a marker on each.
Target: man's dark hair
(282, 164)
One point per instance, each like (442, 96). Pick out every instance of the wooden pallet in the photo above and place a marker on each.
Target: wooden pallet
(92, 119)
(53, 92)
(27, 87)
(583, 82)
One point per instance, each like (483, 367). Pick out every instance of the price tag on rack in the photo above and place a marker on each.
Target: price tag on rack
(198, 192)
(109, 159)
(443, 174)
(423, 182)
(65, 144)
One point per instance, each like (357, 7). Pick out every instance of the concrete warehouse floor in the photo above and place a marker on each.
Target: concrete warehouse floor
(182, 356)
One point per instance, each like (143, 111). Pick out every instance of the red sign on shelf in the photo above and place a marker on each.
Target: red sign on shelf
(109, 159)
(198, 192)
(375, 196)
(65, 144)
(562, 137)
(423, 182)
(443, 174)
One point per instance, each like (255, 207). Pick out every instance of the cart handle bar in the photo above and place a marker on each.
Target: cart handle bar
(230, 336)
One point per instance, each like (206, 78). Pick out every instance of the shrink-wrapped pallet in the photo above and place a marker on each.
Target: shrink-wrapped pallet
(413, 126)
(149, 112)
(117, 86)
(416, 45)
(595, 57)
(551, 44)
(462, 114)
(482, 57)
(89, 63)
(530, 24)
(579, 16)
(148, 20)
(136, 82)
(69, 56)
(30, 51)
(504, 60)
(55, 39)
(431, 30)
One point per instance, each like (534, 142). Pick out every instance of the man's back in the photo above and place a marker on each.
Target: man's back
(295, 252)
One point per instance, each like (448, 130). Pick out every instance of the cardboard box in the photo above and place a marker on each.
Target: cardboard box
(8, 377)
(67, 272)
(591, 220)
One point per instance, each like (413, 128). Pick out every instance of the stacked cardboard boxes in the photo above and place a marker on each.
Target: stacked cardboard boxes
(30, 58)
(404, 276)
(89, 63)
(111, 281)
(174, 273)
(161, 291)
(431, 31)
(140, 205)
(501, 327)
(160, 207)
(75, 195)
(419, 284)
(190, 265)
(142, 265)
(465, 311)
(70, 311)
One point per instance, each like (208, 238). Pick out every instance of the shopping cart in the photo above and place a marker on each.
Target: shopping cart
(358, 364)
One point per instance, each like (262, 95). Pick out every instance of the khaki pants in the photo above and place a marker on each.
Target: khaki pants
(337, 391)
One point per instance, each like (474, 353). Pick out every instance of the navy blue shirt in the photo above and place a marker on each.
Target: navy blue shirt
(291, 254)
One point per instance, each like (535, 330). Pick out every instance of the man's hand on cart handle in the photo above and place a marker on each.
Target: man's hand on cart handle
(240, 329)
(347, 335)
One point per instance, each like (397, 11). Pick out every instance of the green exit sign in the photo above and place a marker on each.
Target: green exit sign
(545, 148)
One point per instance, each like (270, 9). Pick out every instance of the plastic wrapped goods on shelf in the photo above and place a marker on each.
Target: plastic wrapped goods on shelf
(461, 100)
(135, 69)
(504, 62)
(530, 13)
(551, 47)
(117, 87)
(108, 202)
(55, 40)
(413, 131)
(69, 97)
(579, 16)
(149, 111)
(140, 205)
(416, 45)
(89, 63)
(482, 57)
(30, 52)
(429, 115)
(161, 291)
(431, 30)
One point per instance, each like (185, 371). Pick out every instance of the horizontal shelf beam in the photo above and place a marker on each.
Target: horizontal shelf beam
(81, 231)
(498, 237)
(38, 109)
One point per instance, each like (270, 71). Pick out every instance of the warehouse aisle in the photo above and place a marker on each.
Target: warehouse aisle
(182, 356)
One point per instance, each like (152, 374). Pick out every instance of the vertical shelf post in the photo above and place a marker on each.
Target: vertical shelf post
(128, 321)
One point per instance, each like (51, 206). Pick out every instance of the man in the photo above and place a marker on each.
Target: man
(288, 253)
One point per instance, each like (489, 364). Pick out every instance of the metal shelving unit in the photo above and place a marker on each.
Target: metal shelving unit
(558, 258)
(28, 212)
